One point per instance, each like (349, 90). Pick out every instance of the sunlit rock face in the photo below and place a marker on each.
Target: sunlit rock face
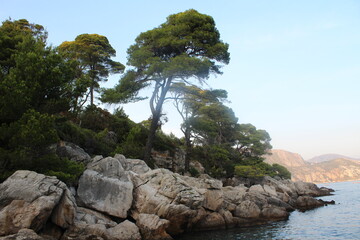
(326, 168)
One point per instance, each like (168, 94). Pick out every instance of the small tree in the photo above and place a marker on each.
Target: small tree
(188, 100)
(251, 143)
(92, 53)
(187, 46)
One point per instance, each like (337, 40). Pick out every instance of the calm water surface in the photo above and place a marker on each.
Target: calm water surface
(340, 221)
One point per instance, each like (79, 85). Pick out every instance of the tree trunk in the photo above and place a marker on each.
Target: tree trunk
(151, 136)
(91, 95)
(187, 148)
(156, 114)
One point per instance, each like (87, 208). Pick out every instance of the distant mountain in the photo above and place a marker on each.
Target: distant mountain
(328, 157)
(337, 170)
(285, 158)
(333, 170)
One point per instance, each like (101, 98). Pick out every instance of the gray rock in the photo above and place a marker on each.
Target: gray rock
(64, 213)
(152, 227)
(27, 200)
(247, 209)
(24, 234)
(111, 195)
(73, 152)
(134, 165)
(124, 231)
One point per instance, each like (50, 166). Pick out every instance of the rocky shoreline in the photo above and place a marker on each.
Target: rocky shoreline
(123, 199)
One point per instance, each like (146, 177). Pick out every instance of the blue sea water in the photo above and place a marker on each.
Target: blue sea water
(339, 221)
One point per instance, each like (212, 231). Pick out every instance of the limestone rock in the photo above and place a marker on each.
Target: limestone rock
(124, 231)
(274, 213)
(310, 189)
(64, 213)
(247, 209)
(307, 202)
(213, 200)
(152, 227)
(89, 217)
(134, 165)
(166, 195)
(105, 186)
(110, 195)
(212, 221)
(27, 200)
(234, 195)
(198, 166)
(73, 152)
(23, 234)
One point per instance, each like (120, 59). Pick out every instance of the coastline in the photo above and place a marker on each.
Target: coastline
(120, 198)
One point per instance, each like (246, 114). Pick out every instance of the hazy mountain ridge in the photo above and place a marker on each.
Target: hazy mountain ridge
(333, 170)
(329, 157)
(285, 158)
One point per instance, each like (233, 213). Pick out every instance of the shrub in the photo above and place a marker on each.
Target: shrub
(281, 171)
(249, 171)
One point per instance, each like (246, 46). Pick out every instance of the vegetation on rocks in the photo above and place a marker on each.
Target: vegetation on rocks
(48, 96)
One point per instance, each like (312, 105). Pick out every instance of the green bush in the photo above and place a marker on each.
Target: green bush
(281, 171)
(134, 144)
(249, 171)
(92, 142)
(262, 169)
(194, 172)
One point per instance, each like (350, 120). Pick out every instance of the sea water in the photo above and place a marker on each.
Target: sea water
(339, 221)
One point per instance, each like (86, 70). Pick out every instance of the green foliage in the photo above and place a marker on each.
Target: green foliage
(92, 53)
(251, 142)
(215, 159)
(187, 46)
(215, 124)
(92, 142)
(33, 131)
(194, 172)
(248, 172)
(281, 171)
(12, 33)
(66, 170)
(27, 143)
(261, 169)
(133, 146)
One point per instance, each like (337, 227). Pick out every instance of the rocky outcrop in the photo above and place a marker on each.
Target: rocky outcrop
(152, 227)
(24, 234)
(285, 158)
(29, 200)
(326, 168)
(123, 199)
(106, 187)
(72, 152)
(175, 162)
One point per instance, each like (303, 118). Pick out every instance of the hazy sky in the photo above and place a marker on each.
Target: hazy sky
(294, 69)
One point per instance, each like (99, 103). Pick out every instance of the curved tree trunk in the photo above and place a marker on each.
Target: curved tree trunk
(156, 114)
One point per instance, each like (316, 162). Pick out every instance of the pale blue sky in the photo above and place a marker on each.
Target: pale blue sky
(294, 69)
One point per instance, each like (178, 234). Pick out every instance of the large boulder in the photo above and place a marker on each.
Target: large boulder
(27, 200)
(73, 152)
(247, 209)
(167, 195)
(310, 189)
(135, 165)
(91, 225)
(105, 186)
(213, 220)
(24, 234)
(152, 227)
(306, 202)
(124, 231)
